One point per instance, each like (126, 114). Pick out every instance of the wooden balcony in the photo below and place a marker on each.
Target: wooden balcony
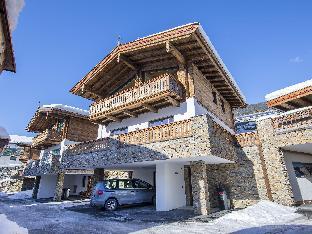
(157, 93)
(293, 120)
(47, 138)
(165, 132)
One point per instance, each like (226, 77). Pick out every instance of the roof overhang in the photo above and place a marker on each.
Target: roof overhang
(292, 97)
(9, 60)
(150, 53)
(46, 117)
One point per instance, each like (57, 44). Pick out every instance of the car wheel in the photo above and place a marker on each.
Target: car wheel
(111, 204)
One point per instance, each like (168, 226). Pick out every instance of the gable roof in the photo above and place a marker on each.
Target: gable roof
(189, 39)
(47, 115)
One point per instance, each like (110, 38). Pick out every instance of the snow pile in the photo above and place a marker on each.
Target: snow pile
(65, 108)
(4, 134)
(288, 90)
(10, 227)
(2, 194)
(15, 139)
(21, 195)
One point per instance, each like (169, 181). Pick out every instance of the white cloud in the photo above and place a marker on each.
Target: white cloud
(296, 60)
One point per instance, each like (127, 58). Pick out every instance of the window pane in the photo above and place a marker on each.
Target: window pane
(161, 121)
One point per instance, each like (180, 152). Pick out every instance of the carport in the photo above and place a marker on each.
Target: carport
(173, 186)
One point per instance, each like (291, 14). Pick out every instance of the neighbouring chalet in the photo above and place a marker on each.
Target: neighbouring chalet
(58, 126)
(7, 60)
(165, 105)
(4, 138)
(13, 160)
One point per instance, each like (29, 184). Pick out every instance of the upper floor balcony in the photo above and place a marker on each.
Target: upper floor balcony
(156, 93)
(47, 138)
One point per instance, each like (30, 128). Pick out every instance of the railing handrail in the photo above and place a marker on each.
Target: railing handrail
(293, 119)
(162, 83)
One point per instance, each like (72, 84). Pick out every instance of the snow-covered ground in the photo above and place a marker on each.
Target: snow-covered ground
(17, 195)
(78, 217)
(9, 227)
(264, 217)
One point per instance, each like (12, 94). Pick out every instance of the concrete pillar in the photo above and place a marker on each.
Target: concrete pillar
(188, 186)
(99, 175)
(200, 192)
(59, 186)
(36, 187)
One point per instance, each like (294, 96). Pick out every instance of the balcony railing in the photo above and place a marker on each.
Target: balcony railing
(165, 132)
(293, 120)
(161, 91)
(47, 138)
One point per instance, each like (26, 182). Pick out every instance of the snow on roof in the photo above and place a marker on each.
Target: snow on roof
(4, 134)
(20, 139)
(65, 108)
(288, 90)
(232, 80)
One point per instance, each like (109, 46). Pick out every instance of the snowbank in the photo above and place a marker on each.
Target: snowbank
(20, 139)
(288, 90)
(4, 134)
(65, 108)
(21, 195)
(262, 217)
(10, 227)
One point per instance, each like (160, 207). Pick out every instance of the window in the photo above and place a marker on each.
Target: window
(161, 121)
(111, 184)
(215, 100)
(60, 125)
(125, 184)
(141, 184)
(56, 152)
(118, 131)
(222, 106)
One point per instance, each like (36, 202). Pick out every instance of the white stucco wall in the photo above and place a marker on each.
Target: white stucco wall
(146, 175)
(47, 186)
(71, 180)
(170, 186)
(302, 187)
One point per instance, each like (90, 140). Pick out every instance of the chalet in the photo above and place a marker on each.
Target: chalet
(4, 138)
(57, 126)
(164, 105)
(7, 60)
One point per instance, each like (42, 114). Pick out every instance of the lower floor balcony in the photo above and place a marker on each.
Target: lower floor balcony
(46, 139)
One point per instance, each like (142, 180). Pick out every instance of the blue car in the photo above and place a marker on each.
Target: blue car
(115, 192)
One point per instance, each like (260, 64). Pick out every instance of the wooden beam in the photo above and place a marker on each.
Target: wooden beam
(294, 104)
(113, 118)
(170, 48)
(306, 100)
(150, 108)
(130, 113)
(173, 101)
(128, 62)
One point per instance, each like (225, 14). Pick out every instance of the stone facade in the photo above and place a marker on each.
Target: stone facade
(10, 179)
(200, 192)
(59, 187)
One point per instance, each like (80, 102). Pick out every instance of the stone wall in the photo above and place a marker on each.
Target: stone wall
(10, 179)
(207, 138)
(244, 181)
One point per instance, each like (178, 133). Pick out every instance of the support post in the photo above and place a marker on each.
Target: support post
(59, 186)
(200, 192)
(99, 175)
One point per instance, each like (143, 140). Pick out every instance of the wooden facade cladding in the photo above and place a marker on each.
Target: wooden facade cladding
(176, 130)
(293, 100)
(81, 130)
(293, 120)
(156, 93)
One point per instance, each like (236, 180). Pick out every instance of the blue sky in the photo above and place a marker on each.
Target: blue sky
(265, 44)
